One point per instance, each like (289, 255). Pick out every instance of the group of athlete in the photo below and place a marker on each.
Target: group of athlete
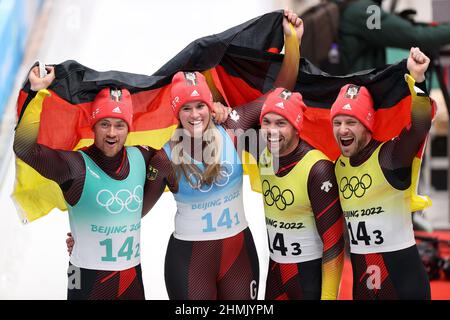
(108, 188)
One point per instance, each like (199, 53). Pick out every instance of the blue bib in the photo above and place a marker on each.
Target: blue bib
(216, 211)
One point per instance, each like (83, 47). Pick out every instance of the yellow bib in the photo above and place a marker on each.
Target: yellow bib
(377, 215)
(291, 226)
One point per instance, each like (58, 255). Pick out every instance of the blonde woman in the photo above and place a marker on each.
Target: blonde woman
(211, 254)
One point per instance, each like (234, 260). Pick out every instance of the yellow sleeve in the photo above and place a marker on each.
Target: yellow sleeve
(331, 277)
(33, 195)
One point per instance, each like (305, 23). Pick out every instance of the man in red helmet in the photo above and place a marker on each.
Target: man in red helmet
(103, 186)
(374, 187)
(301, 203)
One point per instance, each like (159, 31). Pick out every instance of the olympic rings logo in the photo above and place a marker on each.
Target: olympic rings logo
(123, 199)
(273, 195)
(196, 181)
(355, 186)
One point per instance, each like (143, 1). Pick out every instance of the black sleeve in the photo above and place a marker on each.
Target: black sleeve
(160, 174)
(396, 156)
(245, 127)
(324, 197)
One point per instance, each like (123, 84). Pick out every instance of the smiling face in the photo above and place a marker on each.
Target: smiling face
(110, 135)
(281, 136)
(194, 117)
(350, 134)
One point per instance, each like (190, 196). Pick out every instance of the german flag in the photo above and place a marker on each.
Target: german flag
(240, 65)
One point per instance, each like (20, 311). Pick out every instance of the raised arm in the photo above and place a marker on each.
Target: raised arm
(324, 197)
(404, 148)
(246, 116)
(287, 76)
(50, 163)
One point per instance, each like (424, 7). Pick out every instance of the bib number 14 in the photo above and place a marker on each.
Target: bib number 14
(363, 235)
(224, 220)
(126, 251)
(279, 244)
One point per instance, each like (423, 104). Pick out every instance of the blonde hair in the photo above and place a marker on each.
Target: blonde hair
(182, 162)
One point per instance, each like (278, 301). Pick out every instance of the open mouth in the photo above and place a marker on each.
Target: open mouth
(347, 141)
(111, 142)
(195, 123)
